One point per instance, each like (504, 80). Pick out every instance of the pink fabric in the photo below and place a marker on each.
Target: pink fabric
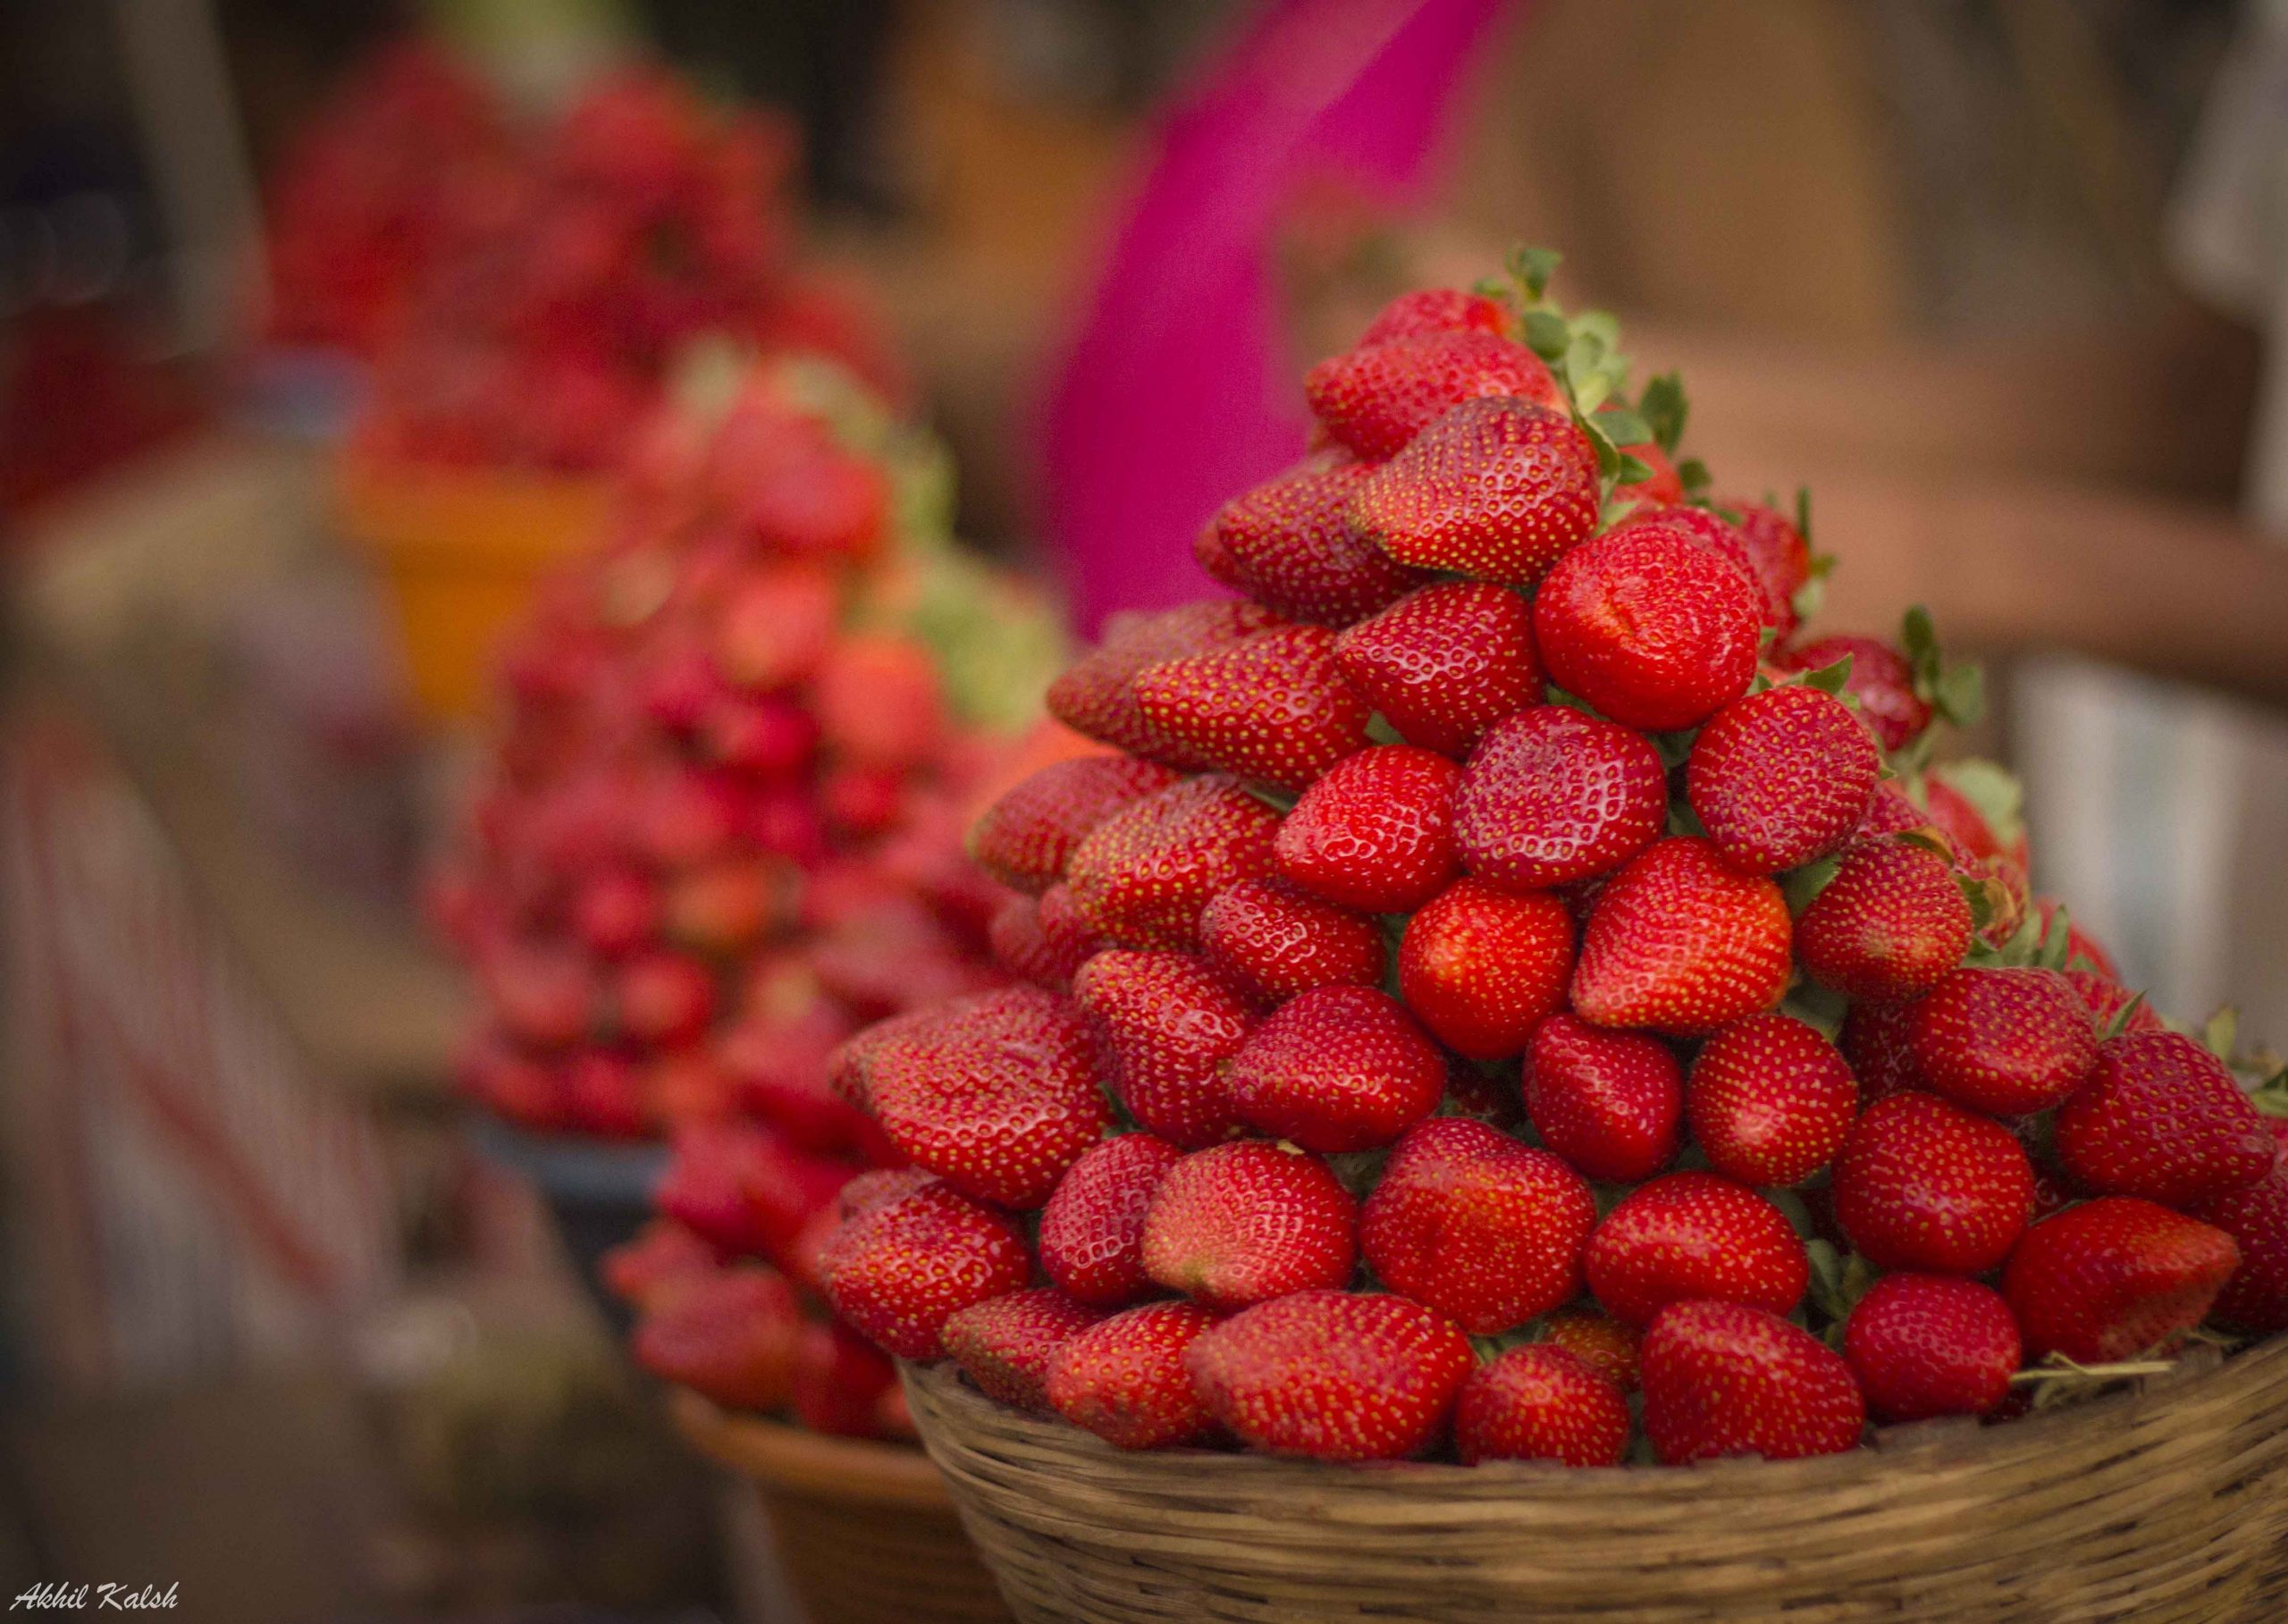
(1174, 394)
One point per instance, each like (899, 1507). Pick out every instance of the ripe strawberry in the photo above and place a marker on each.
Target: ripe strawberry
(1539, 1402)
(728, 1334)
(2163, 1118)
(843, 1383)
(1653, 629)
(1662, 487)
(1471, 1223)
(1270, 942)
(1781, 777)
(1333, 1377)
(1005, 1343)
(1376, 832)
(1378, 397)
(775, 626)
(879, 701)
(2106, 999)
(1092, 1230)
(543, 996)
(1875, 1043)
(1770, 1100)
(1721, 1379)
(1169, 1026)
(1143, 875)
(1289, 545)
(899, 1270)
(1551, 796)
(1042, 940)
(2003, 1041)
(1608, 1102)
(1481, 968)
(2114, 1277)
(616, 910)
(1236, 1224)
(1271, 707)
(661, 1255)
(1438, 310)
(1598, 1341)
(744, 1187)
(1960, 815)
(1694, 1235)
(1495, 490)
(1444, 662)
(1337, 1069)
(1924, 1345)
(1025, 838)
(1881, 679)
(1716, 535)
(1778, 557)
(1925, 1184)
(1889, 925)
(2256, 1216)
(1096, 694)
(1123, 1378)
(1682, 942)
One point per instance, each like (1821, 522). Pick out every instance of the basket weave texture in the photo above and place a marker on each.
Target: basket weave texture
(2166, 1503)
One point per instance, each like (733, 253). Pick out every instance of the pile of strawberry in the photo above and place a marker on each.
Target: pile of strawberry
(1515, 992)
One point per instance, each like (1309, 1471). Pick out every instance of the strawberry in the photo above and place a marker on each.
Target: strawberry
(1240, 1223)
(1682, 942)
(1438, 310)
(1551, 796)
(1881, 679)
(1654, 630)
(1722, 1379)
(1776, 557)
(1496, 490)
(1096, 694)
(2163, 1118)
(1124, 1378)
(774, 628)
(1770, 1100)
(899, 1270)
(1781, 777)
(1378, 397)
(843, 1383)
(659, 1256)
(1444, 662)
(1041, 940)
(1875, 1043)
(1271, 707)
(2108, 999)
(1540, 1402)
(2256, 1217)
(1661, 487)
(2114, 1277)
(1694, 1235)
(1005, 1343)
(1169, 1026)
(1270, 942)
(1337, 1069)
(1888, 926)
(2003, 1041)
(1143, 875)
(879, 701)
(1469, 1221)
(1924, 1345)
(542, 996)
(1608, 1102)
(616, 910)
(1025, 838)
(1289, 545)
(1376, 832)
(1925, 1184)
(1092, 1230)
(1332, 1375)
(744, 1187)
(728, 1334)
(1983, 820)
(1599, 1341)
(1481, 968)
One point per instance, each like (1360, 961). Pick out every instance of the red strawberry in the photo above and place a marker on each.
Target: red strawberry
(1925, 1184)
(2107, 999)
(2163, 1118)
(1718, 536)
(1682, 942)
(744, 1187)
(1888, 926)
(1966, 817)
(1376, 832)
(1496, 489)
(1653, 629)
(1123, 1378)
(1333, 1377)
(1776, 557)
(616, 910)
(843, 1383)
(1096, 694)
(1271, 942)
(1471, 1223)
(1041, 940)
(2003, 1041)
(1289, 545)
(659, 1256)
(1598, 1341)
(1693, 1235)
(1770, 1100)
(773, 630)
(1444, 662)
(1092, 1230)
(1540, 1402)
(1924, 1345)
(1875, 1043)
(1881, 679)
(1661, 487)
(1171, 1026)
(1781, 777)
(728, 1334)
(2256, 1298)
(1337, 1069)
(1550, 796)
(1025, 838)
(1378, 397)
(1608, 1102)
(1438, 310)
(1481, 968)
(1005, 1344)
(2114, 1277)
(543, 996)
(665, 998)
(1236, 1224)
(1143, 874)
(899, 1270)
(1721, 1379)
(1271, 707)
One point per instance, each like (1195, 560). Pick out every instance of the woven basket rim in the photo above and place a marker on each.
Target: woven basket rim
(790, 1459)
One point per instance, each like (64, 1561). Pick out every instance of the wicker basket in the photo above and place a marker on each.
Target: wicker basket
(2167, 1503)
(865, 1532)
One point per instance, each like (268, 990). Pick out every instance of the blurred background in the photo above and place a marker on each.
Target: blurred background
(315, 343)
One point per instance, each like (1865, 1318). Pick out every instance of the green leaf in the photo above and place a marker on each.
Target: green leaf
(1533, 268)
(2122, 1018)
(1684, 820)
(1803, 513)
(1494, 287)
(1615, 509)
(1607, 453)
(1633, 471)
(1960, 694)
(1992, 790)
(2055, 940)
(1695, 475)
(1810, 597)
(1918, 636)
(1817, 1006)
(1548, 334)
(1801, 885)
(1663, 406)
(1831, 679)
(1624, 427)
(2220, 1034)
